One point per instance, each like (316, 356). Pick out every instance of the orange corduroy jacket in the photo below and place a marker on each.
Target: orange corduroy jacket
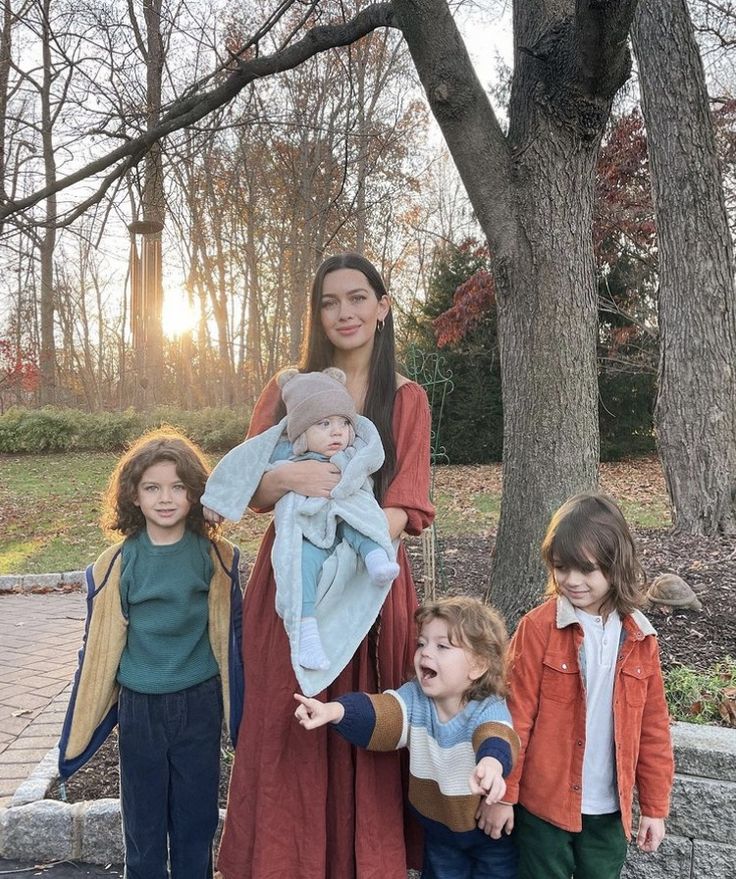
(547, 703)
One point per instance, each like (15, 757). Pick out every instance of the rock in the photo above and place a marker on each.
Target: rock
(39, 831)
(673, 860)
(669, 590)
(713, 860)
(709, 751)
(40, 582)
(704, 807)
(102, 832)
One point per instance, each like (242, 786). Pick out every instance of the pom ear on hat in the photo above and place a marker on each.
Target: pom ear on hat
(287, 374)
(310, 396)
(337, 374)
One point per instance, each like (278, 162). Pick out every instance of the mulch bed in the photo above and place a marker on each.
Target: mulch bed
(695, 639)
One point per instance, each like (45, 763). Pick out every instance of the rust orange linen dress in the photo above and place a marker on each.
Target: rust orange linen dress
(307, 805)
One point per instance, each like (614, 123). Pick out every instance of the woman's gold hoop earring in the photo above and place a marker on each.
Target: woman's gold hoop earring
(379, 325)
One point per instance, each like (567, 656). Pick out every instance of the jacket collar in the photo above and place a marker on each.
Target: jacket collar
(636, 621)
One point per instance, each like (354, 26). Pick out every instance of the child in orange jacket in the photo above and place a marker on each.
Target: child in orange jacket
(587, 700)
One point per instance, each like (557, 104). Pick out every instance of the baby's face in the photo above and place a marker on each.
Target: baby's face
(329, 435)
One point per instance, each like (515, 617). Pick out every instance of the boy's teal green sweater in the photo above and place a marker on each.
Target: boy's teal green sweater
(163, 592)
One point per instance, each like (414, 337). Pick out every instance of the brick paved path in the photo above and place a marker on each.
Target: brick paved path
(39, 639)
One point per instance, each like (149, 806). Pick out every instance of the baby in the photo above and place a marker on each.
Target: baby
(320, 425)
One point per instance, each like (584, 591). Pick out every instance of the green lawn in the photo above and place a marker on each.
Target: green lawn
(50, 509)
(50, 506)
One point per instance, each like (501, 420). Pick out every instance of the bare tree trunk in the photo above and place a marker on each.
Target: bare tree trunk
(532, 193)
(47, 360)
(696, 404)
(6, 41)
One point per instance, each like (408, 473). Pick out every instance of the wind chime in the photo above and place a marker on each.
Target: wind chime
(146, 299)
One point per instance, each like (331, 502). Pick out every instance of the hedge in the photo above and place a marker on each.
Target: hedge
(56, 430)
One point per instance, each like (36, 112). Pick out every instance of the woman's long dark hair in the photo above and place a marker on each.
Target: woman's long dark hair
(319, 353)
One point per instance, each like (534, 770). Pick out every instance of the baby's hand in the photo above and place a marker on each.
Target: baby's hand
(487, 780)
(312, 713)
(212, 517)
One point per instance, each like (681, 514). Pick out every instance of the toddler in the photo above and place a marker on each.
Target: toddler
(453, 719)
(320, 425)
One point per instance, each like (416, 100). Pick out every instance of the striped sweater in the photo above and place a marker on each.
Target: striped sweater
(442, 756)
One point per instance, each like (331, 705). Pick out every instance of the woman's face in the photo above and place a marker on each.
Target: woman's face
(350, 309)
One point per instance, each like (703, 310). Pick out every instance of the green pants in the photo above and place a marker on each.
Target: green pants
(598, 851)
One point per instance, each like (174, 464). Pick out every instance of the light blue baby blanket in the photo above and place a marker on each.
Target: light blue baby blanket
(347, 602)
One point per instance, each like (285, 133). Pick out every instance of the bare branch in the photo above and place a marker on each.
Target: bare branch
(186, 112)
(464, 113)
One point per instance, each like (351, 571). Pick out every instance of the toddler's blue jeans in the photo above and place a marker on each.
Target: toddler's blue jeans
(169, 778)
(474, 856)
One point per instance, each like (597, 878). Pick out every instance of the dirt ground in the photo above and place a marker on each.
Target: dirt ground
(695, 639)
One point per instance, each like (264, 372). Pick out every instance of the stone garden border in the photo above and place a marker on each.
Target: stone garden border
(69, 581)
(701, 829)
(700, 839)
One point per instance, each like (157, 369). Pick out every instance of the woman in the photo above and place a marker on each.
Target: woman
(312, 807)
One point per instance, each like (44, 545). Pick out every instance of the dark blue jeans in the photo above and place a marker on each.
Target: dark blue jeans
(473, 856)
(169, 779)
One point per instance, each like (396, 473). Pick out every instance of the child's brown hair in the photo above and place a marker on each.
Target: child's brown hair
(120, 513)
(590, 525)
(478, 628)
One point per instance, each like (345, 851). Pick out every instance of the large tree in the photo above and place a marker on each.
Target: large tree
(696, 405)
(532, 191)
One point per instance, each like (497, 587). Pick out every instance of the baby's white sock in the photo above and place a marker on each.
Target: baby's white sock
(311, 652)
(381, 569)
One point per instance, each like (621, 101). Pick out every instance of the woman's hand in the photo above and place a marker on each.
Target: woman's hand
(312, 713)
(310, 478)
(211, 516)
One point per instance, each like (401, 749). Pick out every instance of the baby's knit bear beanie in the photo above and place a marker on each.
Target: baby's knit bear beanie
(311, 396)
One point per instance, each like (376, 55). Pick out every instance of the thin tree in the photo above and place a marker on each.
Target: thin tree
(696, 404)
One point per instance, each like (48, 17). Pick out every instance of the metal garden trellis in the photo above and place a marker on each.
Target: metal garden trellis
(431, 372)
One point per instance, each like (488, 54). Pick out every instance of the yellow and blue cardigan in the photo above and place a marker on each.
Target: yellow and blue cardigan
(93, 707)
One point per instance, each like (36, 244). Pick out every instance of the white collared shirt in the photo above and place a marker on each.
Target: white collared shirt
(600, 648)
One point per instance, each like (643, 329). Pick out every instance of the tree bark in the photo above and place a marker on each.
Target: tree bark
(153, 203)
(533, 194)
(696, 404)
(47, 359)
(6, 43)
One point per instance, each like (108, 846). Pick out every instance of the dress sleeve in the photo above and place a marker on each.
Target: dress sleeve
(409, 489)
(264, 412)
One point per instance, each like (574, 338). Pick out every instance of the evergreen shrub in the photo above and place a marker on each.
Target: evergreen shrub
(472, 419)
(625, 414)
